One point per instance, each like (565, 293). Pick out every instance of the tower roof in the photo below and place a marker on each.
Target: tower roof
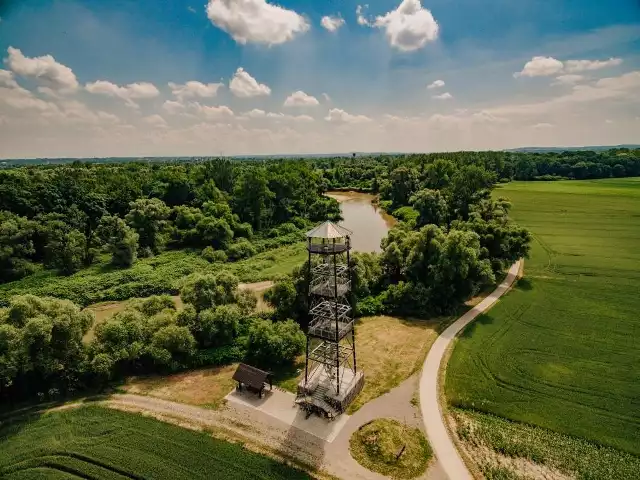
(328, 230)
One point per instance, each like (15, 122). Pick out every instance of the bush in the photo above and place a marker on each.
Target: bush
(218, 326)
(207, 291)
(272, 344)
(243, 248)
(154, 304)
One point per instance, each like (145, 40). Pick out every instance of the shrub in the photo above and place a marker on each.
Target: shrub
(218, 326)
(243, 248)
(207, 291)
(272, 344)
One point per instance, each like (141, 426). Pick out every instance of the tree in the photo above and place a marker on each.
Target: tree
(252, 198)
(178, 341)
(10, 355)
(215, 232)
(272, 344)
(219, 326)
(469, 185)
(207, 291)
(120, 240)
(439, 173)
(431, 206)
(401, 187)
(148, 217)
(51, 332)
(65, 248)
(16, 246)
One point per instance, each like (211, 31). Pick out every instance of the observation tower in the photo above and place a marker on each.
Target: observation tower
(331, 378)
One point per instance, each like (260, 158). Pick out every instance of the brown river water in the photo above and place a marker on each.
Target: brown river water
(368, 223)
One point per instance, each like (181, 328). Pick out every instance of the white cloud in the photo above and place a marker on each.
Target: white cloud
(193, 89)
(540, 67)
(211, 113)
(21, 99)
(155, 121)
(245, 86)
(608, 121)
(326, 97)
(337, 115)
(45, 69)
(362, 20)
(172, 107)
(7, 80)
(256, 113)
(547, 66)
(133, 91)
(408, 27)
(301, 99)
(443, 96)
(584, 65)
(543, 126)
(568, 79)
(332, 23)
(436, 84)
(256, 21)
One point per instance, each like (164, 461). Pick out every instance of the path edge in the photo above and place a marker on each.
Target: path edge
(436, 427)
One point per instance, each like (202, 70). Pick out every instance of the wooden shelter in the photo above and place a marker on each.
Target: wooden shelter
(252, 378)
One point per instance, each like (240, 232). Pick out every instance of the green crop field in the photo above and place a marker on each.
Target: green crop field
(562, 350)
(93, 442)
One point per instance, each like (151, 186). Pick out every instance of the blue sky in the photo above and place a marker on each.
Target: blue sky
(561, 72)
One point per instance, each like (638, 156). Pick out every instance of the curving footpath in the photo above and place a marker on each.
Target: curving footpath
(443, 446)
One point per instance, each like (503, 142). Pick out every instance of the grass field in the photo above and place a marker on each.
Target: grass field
(388, 447)
(150, 276)
(561, 350)
(93, 442)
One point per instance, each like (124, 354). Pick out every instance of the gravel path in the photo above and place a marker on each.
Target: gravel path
(442, 444)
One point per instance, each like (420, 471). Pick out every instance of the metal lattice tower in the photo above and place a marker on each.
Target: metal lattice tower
(330, 333)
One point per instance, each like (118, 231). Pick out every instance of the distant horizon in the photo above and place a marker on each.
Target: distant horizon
(340, 154)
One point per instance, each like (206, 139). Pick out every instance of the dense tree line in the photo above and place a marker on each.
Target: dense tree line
(64, 217)
(367, 173)
(42, 352)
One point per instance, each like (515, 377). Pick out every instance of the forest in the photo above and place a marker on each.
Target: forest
(452, 239)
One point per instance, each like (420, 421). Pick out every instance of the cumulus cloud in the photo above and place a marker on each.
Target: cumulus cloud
(256, 113)
(540, 67)
(443, 96)
(584, 65)
(326, 97)
(19, 98)
(547, 66)
(211, 113)
(7, 79)
(436, 84)
(173, 107)
(155, 121)
(337, 115)
(256, 21)
(362, 20)
(332, 23)
(45, 69)
(408, 27)
(301, 99)
(193, 89)
(567, 79)
(244, 85)
(128, 93)
(284, 116)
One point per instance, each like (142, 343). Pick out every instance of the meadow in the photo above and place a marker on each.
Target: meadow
(94, 442)
(561, 350)
(150, 276)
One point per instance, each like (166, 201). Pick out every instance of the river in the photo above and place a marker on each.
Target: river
(368, 223)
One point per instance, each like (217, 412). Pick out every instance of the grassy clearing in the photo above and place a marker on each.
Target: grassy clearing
(378, 446)
(93, 442)
(389, 350)
(562, 454)
(150, 276)
(560, 351)
(205, 388)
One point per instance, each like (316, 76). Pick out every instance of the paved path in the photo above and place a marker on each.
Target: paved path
(443, 446)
